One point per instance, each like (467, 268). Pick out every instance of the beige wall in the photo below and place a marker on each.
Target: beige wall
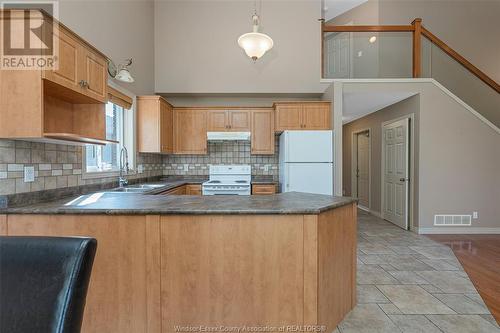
(196, 48)
(458, 155)
(121, 29)
(373, 122)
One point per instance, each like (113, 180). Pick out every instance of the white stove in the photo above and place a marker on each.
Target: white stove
(228, 180)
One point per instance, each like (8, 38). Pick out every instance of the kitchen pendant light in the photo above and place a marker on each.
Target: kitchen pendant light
(254, 43)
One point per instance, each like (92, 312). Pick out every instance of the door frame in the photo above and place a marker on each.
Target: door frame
(410, 165)
(354, 163)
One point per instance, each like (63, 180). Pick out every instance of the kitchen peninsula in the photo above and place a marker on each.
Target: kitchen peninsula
(167, 262)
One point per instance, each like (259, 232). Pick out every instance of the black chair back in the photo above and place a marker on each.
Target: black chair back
(43, 283)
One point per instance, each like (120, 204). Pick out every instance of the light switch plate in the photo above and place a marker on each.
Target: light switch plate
(29, 174)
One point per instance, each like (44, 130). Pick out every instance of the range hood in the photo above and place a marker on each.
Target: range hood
(228, 136)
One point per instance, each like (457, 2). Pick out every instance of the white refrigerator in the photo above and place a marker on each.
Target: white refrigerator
(306, 162)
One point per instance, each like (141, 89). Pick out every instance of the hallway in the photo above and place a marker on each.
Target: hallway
(409, 283)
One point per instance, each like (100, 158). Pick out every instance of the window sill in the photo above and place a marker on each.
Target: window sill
(105, 174)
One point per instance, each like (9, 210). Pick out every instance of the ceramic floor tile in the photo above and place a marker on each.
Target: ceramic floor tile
(408, 277)
(414, 324)
(370, 294)
(434, 252)
(414, 300)
(372, 274)
(367, 318)
(389, 308)
(430, 288)
(449, 282)
(462, 304)
(491, 319)
(398, 274)
(463, 324)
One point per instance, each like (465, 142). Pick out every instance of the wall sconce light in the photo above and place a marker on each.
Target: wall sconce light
(121, 73)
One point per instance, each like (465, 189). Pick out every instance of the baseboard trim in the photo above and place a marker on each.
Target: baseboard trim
(458, 231)
(364, 208)
(377, 214)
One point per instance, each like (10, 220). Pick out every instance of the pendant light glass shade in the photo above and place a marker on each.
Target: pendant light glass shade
(254, 43)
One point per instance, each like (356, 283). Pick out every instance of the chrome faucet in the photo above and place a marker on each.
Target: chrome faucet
(122, 181)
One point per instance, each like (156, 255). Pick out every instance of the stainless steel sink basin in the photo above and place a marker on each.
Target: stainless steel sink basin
(145, 186)
(127, 189)
(137, 188)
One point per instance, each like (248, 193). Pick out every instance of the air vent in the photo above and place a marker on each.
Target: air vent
(446, 220)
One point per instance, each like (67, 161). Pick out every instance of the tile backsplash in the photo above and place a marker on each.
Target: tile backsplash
(59, 166)
(56, 166)
(223, 152)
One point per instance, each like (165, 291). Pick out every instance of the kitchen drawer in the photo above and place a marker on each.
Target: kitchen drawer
(193, 189)
(261, 189)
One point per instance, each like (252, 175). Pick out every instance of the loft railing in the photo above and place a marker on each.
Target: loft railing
(405, 51)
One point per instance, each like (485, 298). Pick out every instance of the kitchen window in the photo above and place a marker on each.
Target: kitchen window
(106, 158)
(104, 161)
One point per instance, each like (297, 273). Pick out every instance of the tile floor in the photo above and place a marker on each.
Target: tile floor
(409, 283)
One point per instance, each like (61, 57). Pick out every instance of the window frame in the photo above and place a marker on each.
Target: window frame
(128, 138)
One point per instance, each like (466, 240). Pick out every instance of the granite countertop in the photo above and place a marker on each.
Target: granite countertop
(263, 180)
(142, 204)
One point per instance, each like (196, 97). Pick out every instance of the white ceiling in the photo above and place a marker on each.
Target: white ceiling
(356, 105)
(334, 8)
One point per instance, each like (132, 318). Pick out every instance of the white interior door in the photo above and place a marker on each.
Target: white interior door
(363, 169)
(395, 172)
(338, 55)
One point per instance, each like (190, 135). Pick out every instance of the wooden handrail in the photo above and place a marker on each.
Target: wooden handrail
(367, 28)
(464, 62)
(418, 30)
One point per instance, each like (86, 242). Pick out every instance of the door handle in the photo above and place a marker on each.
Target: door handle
(404, 179)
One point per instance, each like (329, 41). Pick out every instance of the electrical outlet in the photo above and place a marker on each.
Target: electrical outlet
(29, 174)
(266, 167)
(140, 168)
(475, 215)
(186, 167)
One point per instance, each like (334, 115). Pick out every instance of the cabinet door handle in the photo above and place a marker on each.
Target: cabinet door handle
(83, 83)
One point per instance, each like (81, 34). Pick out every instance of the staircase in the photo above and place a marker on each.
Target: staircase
(407, 51)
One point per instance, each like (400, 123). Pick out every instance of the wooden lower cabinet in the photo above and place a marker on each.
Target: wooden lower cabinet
(193, 189)
(152, 273)
(263, 189)
(124, 276)
(189, 189)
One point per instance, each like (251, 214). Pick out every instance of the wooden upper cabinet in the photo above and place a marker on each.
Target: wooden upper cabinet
(166, 127)
(94, 74)
(262, 142)
(239, 120)
(288, 116)
(190, 131)
(228, 120)
(315, 115)
(41, 104)
(154, 125)
(81, 69)
(217, 121)
(67, 72)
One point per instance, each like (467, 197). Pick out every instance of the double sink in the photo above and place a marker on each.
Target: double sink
(141, 188)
